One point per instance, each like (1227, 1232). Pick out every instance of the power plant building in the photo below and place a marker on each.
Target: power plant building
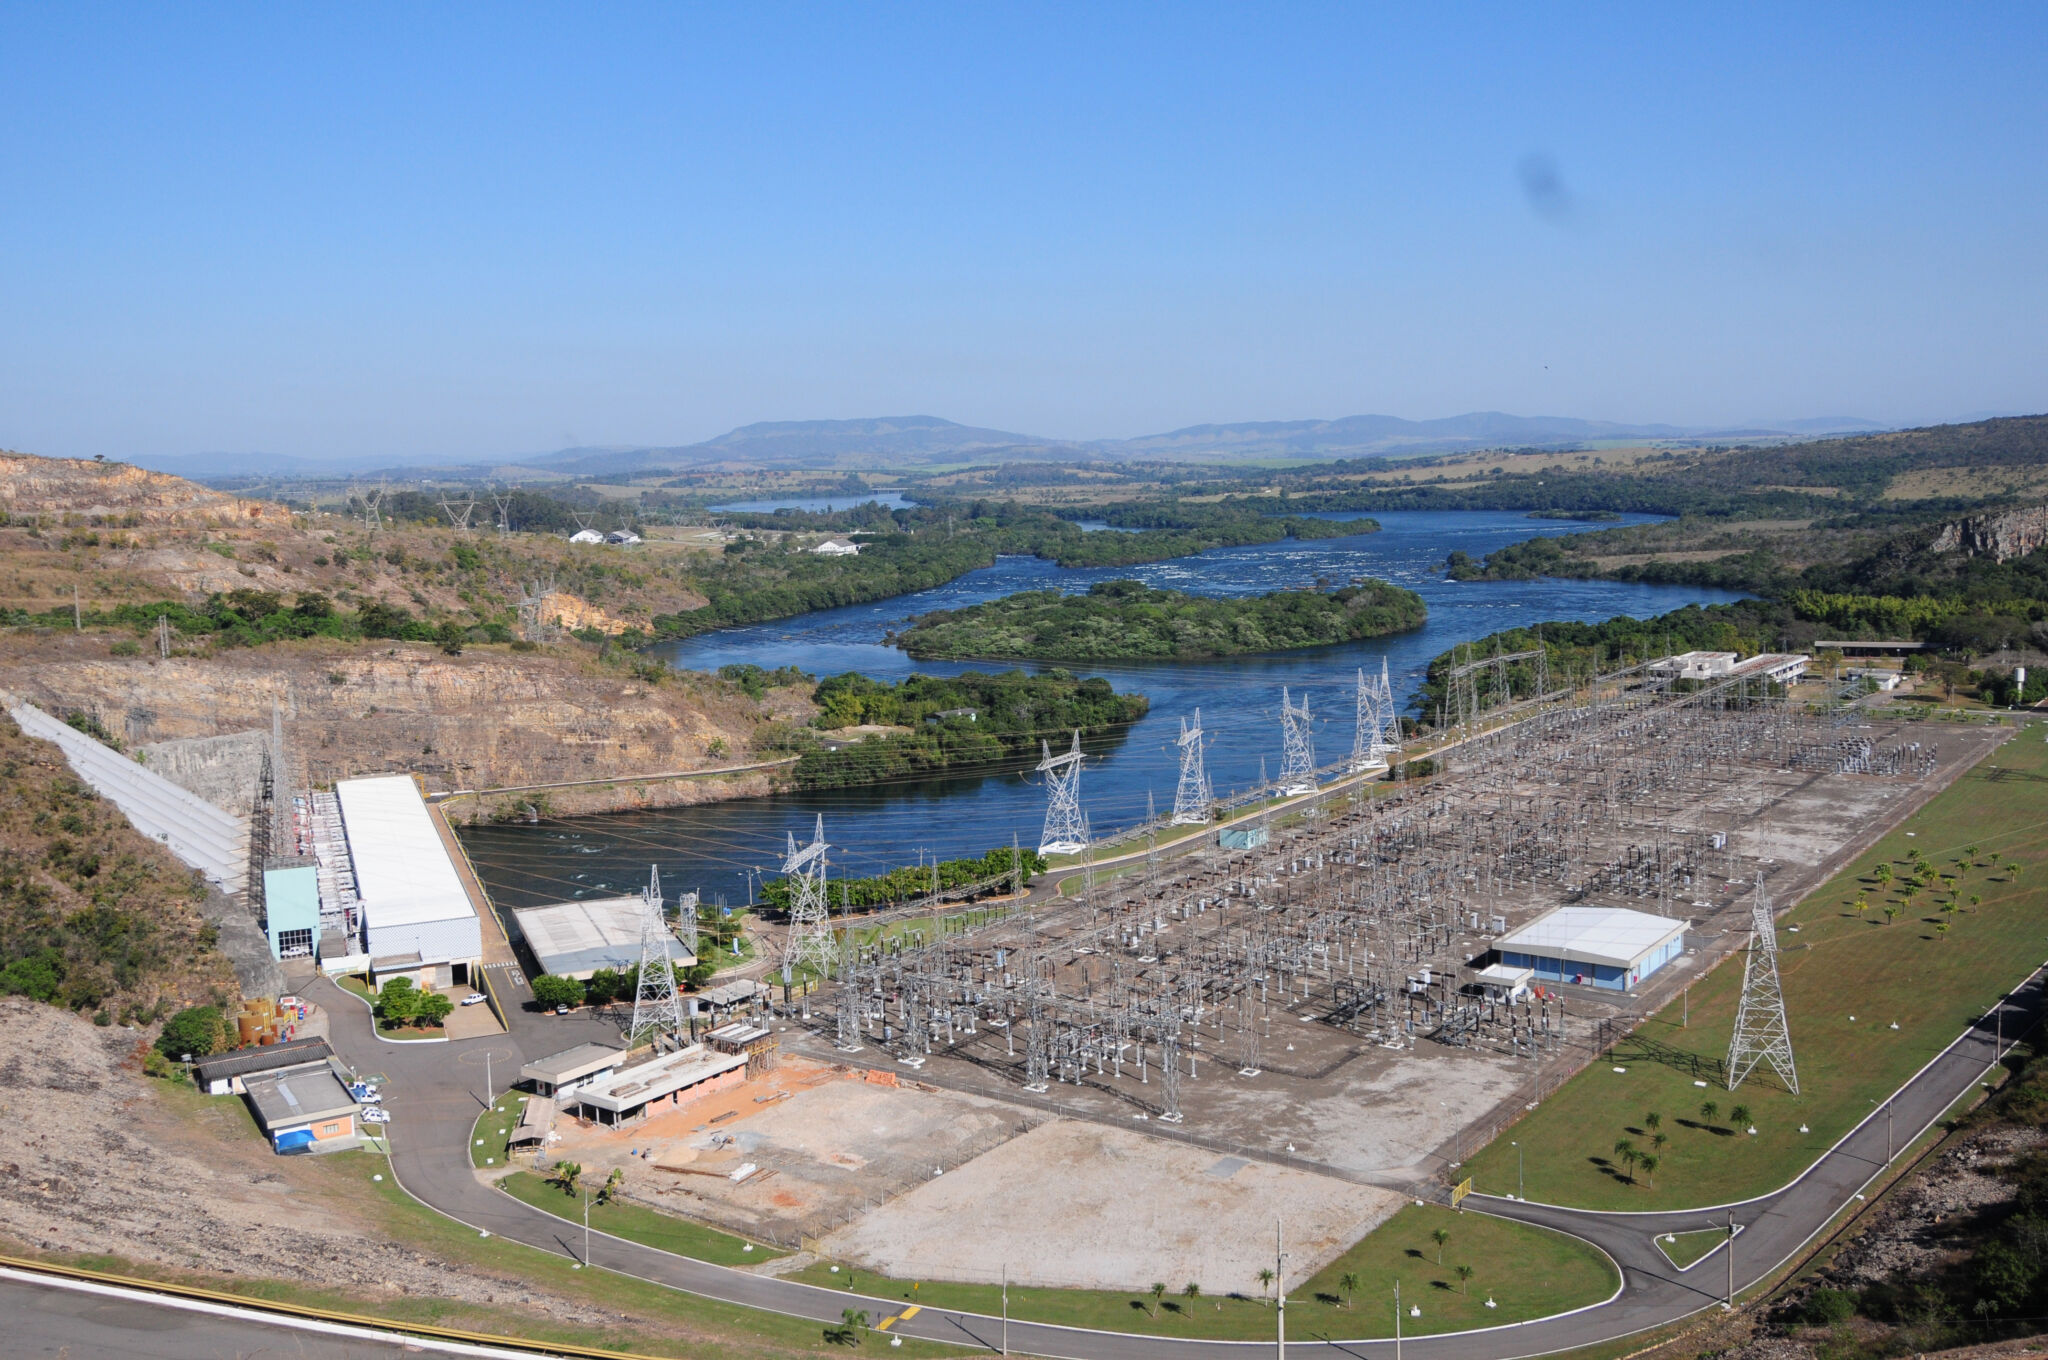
(1609, 947)
(417, 916)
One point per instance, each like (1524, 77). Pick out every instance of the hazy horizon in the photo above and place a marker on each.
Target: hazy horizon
(443, 236)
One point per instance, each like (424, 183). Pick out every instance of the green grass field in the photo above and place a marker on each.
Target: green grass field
(649, 1227)
(491, 1139)
(1682, 1249)
(1869, 1002)
(1527, 1271)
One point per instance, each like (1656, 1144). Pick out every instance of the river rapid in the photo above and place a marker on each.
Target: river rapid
(722, 849)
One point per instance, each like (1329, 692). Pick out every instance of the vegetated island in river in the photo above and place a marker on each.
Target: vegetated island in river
(1130, 621)
(928, 724)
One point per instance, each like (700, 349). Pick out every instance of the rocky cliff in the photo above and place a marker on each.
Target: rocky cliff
(2001, 535)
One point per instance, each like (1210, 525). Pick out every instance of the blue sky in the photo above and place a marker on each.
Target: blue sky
(466, 231)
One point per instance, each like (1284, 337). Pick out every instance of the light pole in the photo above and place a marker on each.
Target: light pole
(1006, 1309)
(1731, 1260)
(1280, 1288)
(1397, 1320)
(586, 1225)
(1518, 1169)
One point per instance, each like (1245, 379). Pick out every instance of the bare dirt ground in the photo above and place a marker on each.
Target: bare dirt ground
(1080, 1205)
(101, 1159)
(828, 1144)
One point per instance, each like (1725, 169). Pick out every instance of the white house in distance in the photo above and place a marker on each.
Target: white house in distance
(837, 547)
(586, 536)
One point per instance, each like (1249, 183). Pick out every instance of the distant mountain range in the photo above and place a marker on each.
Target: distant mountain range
(912, 441)
(909, 440)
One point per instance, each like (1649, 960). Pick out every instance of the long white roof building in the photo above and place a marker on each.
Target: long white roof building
(413, 901)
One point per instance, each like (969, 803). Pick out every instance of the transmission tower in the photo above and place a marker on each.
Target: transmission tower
(1297, 752)
(1366, 743)
(810, 923)
(1191, 799)
(458, 515)
(1064, 832)
(503, 500)
(1761, 1034)
(657, 1009)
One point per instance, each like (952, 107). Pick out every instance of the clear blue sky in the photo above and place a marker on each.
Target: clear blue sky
(473, 230)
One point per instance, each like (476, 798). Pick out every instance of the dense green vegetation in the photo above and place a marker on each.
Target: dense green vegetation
(913, 880)
(1127, 620)
(248, 618)
(1011, 713)
(93, 915)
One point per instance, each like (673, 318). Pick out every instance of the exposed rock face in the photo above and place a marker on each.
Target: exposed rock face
(77, 486)
(2000, 536)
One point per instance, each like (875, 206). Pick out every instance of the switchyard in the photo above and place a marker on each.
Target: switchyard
(1333, 998)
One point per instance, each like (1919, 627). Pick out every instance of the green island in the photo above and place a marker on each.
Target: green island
(928, 723)
(1130, 621)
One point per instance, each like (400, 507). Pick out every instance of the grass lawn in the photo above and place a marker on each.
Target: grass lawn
(1528, 1272)
(653, 1320)
(491, 1139)
(1682, 1249)
(649, 1227)
(1869, 1001)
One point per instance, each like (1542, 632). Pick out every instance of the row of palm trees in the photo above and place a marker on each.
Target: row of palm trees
(1924, 876)
(1630, 1156)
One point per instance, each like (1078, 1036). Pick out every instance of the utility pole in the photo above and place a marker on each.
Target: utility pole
(1397, 1320)
(1731, 1261)
(1006, 1309)
(1518, 1169)
(1280, 1288)
(586, 1225)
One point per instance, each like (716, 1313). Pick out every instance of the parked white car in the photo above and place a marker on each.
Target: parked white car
(367, 1095)
(474, 998)
(376, 1116)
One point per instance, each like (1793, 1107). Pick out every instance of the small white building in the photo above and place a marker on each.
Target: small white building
(1778, 667)
(586, 536)
(622, 538)
(837, 547)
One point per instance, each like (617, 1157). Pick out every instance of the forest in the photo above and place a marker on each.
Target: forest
(1127, 620)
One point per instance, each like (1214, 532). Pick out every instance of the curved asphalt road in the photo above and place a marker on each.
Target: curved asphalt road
(435, 1092)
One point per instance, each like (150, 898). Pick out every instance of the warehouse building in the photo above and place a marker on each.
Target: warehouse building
(575, 939)
(304, 1109)
(418, 918)
(1609, 947)
(635, 1092)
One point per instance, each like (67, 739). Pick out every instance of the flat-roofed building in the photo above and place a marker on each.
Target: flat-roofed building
(304, 1109)
(228, 1073)
(559, 1073)
(635, 1092)
(410, 893)
(575, 939)
(1609, 947)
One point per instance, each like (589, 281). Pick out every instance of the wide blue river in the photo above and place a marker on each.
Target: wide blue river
(720, 848)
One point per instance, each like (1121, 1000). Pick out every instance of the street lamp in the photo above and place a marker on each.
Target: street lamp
(1518, 1169)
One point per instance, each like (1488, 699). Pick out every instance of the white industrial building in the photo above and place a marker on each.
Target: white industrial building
(418, 919)
(1609, 947)
(837, 547)
(1778, 667)
(575, 939)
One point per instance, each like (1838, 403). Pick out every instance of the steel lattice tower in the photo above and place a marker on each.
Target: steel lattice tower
(1297, 751)
(1191, 798)
(1761, 1034)
(1368, 743)
(810, 922)
(1065, 833)
(657, 1008)
(1389, 740)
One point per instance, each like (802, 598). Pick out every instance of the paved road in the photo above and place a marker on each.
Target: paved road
(111, 1324)
(436, 1091)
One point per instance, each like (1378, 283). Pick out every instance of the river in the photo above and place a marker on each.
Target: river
(719, 849)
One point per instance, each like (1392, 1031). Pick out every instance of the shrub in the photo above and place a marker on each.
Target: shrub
(1827, 1307)
(197, 1030)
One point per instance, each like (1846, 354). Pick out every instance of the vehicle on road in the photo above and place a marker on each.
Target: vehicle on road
(373, 1115)
(367, 1095)
(473, 998)
(562, 1010)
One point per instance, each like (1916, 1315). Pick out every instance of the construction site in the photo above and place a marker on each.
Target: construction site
(1387, 972)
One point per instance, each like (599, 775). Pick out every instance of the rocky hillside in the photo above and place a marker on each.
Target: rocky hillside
(94, 916)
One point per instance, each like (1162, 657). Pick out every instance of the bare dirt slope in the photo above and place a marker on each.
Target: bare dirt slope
(101, 1159)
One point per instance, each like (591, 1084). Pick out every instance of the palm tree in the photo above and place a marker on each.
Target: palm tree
(566, 1176)
(2012, 872)
(1652, 1120)
(1739, 1116)
(1348, 1282)
(1657, 1141)
(1709, 1112)
(1941, 927)
(1191, 1291)
(1862, 904)
(1440, 1236)
(1971, 851)
(1976, 899)
(1464, 1278)
(1891, 912)
(1266, 1278)
(1649, 1162)
(1158, 1293)
(1883, 875)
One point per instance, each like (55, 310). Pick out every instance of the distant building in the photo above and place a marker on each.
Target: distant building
(837, 547)
(291, 908)
(1778, 667)
(623, 538)
(575, 939)
(229, 1073)
(421, 923)
(586, 536)
(631, 1093)
(561, 1073)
